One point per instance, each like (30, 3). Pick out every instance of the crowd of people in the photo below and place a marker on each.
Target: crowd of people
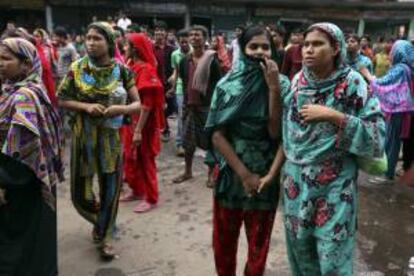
(294, 119)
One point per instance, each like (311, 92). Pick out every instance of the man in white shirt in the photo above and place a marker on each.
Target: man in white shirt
(123, 22)
(234, 47)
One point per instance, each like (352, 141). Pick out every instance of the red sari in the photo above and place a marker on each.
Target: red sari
(47, 76)
(139, 162)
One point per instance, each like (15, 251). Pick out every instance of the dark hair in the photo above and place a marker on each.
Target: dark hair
(241, 27)
(367, 37)
(119, 29)
(251, 32)
(200, 28)
(353, 36)
(300, 30)
(160, 25)
(61, 32)
(277, 28)
(391, 39)
(182, 33)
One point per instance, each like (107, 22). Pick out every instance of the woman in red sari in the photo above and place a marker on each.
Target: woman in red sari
(143, 145)
(45, 51)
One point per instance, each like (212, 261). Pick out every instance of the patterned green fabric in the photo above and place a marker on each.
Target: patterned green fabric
(100, 146)
(319, 177)
(240, 105)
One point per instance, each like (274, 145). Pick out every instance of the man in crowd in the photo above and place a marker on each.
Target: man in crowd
(123, 21)
(66, 53)
(355, 58)
(234, 46)
(198, 91)
(176, 58)
(163, 53)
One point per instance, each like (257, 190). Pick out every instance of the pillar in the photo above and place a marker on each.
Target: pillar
(49, 18)
(361, 27)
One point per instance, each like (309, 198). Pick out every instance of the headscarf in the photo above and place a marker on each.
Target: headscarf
(144, 48)
(341, 69)
(45, 36)
(23, 48)
(34, 137)
(94, 80)
(223, 54)
(149, 87)
(395, 89)
(146, 77)
(309, 142)
(108, 33)
(242, 94)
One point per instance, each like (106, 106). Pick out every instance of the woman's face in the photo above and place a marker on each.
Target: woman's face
(258, 47)
(96, 44)
(10, 66)
(129, 50)
(317, 50)
(38, 36)
(214, 43)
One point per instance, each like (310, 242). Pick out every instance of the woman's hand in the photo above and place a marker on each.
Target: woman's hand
(366, 73)
(3, 200)
(114, 110)
(264, 182)
(271, 74)
(137, 138)
(95, 109)
(320, 113)
(251, 183)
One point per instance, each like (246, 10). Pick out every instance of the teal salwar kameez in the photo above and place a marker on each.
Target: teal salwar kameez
(320, 174)
(239, 108)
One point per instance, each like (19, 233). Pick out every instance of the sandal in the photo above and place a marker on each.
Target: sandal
(106, 252)
(143, 207)
(182, 178)
(128, 197)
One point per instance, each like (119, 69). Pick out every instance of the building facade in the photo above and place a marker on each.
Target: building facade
(370, 16)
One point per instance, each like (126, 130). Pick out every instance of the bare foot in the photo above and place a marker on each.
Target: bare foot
(182, 178)
(210, 183)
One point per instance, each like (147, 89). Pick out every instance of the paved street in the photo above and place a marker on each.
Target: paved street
(175, 238)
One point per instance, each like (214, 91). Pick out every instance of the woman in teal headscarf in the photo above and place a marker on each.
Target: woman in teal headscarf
(329, 118)
(244, 122)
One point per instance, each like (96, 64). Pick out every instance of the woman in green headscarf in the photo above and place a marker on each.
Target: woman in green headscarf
(244, 123)
(95, 91)
(329, 118)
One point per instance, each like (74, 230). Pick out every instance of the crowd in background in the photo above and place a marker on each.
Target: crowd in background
(112, 93)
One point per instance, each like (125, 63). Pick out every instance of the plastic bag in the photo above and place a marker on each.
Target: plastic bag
(373, 166)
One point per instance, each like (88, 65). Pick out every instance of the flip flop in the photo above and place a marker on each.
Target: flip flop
(182, 178)
(143, 207)
(128, 198)
(107, 253)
